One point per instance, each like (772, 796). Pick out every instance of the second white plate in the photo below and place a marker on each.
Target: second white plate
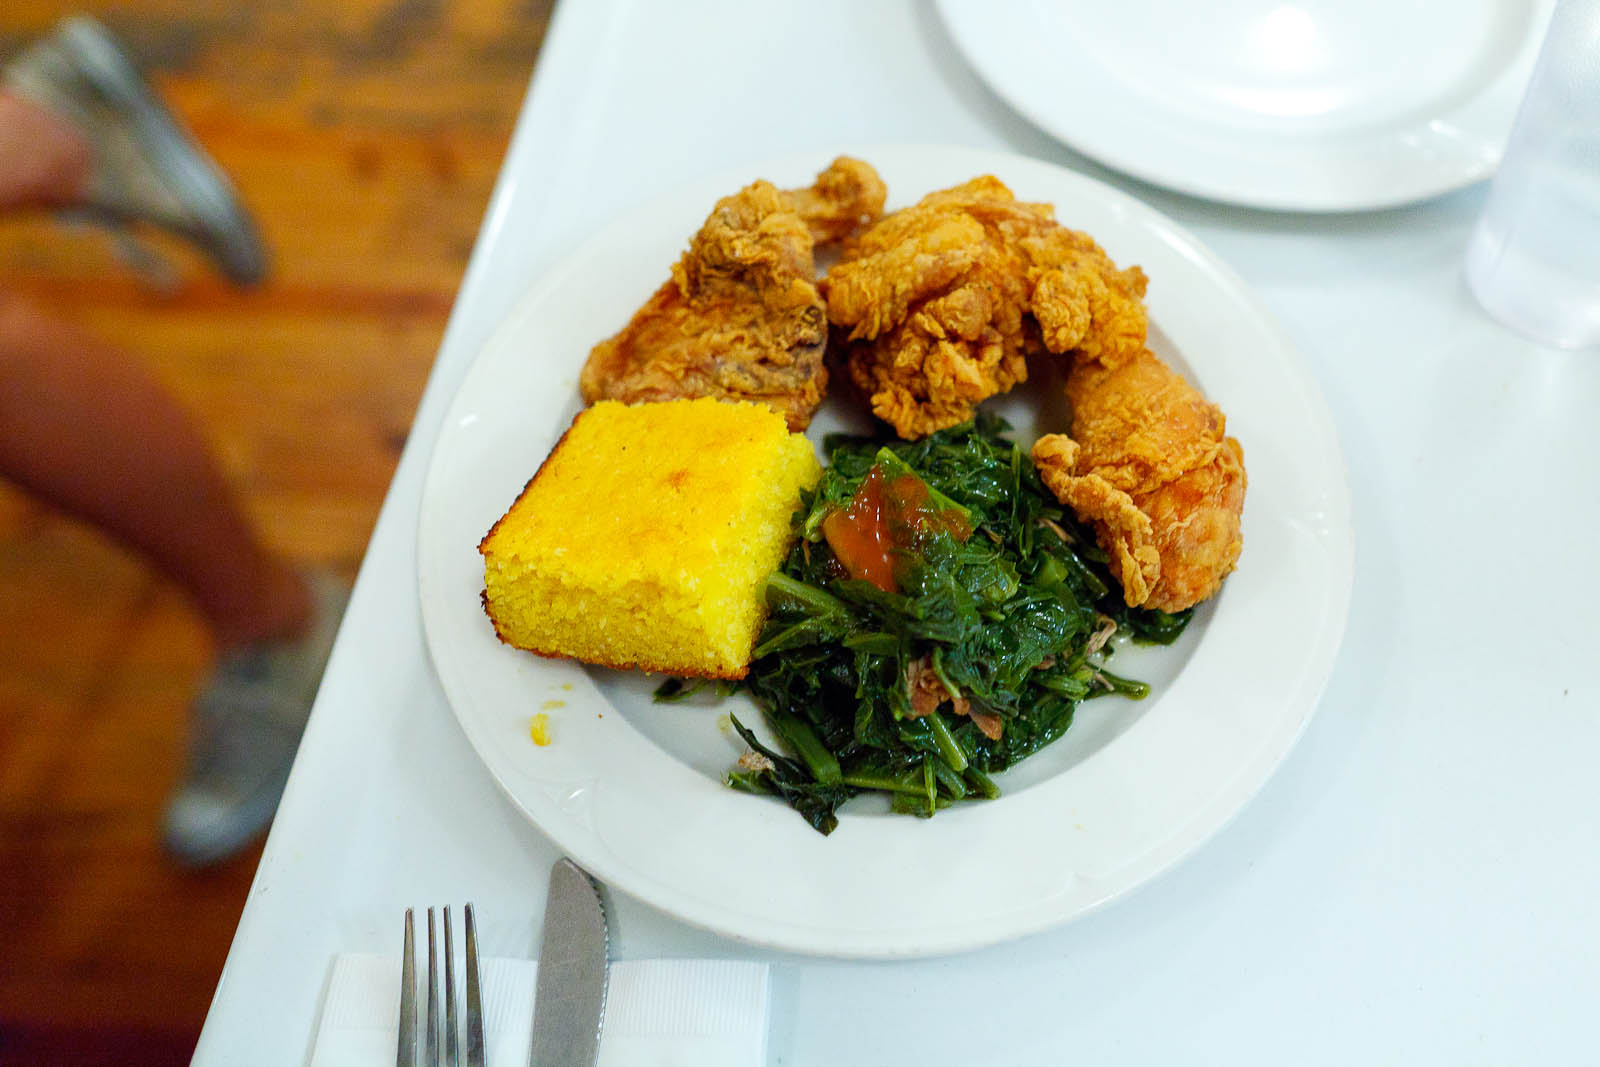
(1317, 105)
(633, 790)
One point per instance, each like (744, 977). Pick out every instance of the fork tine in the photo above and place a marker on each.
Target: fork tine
(474, 998)
(452, 1049)
(433, 999)
(406, 1053)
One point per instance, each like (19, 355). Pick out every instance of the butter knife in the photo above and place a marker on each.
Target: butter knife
(570, 999)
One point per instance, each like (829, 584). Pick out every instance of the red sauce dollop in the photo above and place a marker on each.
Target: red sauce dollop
(859, 536)
(885, 521)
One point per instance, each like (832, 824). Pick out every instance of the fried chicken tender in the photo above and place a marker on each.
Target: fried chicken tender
(1149, 466)
(741, 318)
(942, 303)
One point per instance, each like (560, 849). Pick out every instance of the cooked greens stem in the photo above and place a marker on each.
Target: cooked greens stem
(952, 782)
(981, 783)
(936, 663)
(822, 764)
(949, 749)
(1115, 683)
(810, 596)
(884, 784)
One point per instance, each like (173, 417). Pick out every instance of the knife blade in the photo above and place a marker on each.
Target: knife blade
(570, 997)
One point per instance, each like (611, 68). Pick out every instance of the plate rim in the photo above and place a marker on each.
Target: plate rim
(942, 940)
(975, 31)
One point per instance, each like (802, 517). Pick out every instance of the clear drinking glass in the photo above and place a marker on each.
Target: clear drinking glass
(1534, 259)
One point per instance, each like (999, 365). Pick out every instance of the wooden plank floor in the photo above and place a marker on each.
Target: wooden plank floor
(366, 135)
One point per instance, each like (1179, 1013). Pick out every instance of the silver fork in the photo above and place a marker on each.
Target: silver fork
(450, 1053)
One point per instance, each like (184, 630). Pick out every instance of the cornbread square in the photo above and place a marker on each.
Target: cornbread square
(646, 537)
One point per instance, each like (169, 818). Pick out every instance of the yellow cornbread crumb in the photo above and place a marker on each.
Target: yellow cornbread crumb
(539, 729)
(646, 537)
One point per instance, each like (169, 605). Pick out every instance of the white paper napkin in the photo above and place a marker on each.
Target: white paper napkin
(659, 1013)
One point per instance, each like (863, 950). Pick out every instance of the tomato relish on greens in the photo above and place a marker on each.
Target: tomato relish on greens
(940, 618)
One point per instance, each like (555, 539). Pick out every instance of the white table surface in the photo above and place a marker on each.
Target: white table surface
(1417, 882)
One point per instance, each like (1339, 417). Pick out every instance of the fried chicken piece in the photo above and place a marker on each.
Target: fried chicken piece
(1149, 466)
(741, 317)
(846, 197)
(941, 303)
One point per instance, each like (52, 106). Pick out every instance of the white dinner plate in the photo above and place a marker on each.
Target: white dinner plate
(633, 790)
(1313, 105)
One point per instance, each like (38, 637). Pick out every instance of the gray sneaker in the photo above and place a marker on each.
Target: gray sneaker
(146, 168)
(246, 727)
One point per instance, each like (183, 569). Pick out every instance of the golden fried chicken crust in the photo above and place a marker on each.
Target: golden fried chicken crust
(845, 197)
(1149, 466)
(741, 318)
(941, 303)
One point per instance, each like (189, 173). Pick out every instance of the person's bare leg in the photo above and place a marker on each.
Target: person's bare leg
(89, 429)
(44, 162)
